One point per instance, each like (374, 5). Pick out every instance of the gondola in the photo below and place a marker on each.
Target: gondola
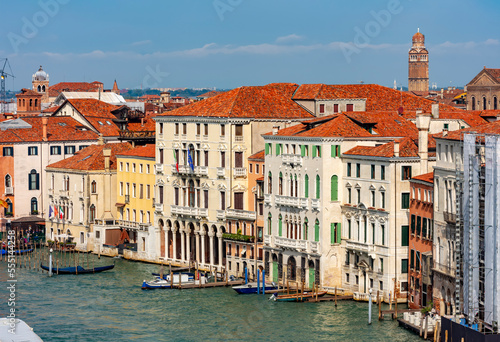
(296, 297)
(78, 269)
(252, 288)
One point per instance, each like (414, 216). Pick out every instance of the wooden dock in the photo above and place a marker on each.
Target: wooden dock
(429, 335)
(328, 298)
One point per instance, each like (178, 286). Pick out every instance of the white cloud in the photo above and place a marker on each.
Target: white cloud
(290, 38)
(141, 42)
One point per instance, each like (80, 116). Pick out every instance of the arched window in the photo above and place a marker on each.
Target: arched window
(191, 194)
(269, 224)
(191, 158)
(484, 103)
(66, 183)
(318, 186)
(296, 188)
(280, 225)
(19, 103)
(306, 186)
(24, 103)
(10, 209)
(306, 229)
(334, 188)
(34, 206)
(473, 101)
(36, 102)
(280, 185)
(270, 183)
(316, 230)
(92, 213)
(33, 180)
(291, 185)
(43, 88)
(31, 103)
(495, 103)
(8, 181)
(39, 88)
(93, 187)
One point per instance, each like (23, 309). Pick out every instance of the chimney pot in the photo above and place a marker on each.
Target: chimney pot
(276, 129)
(396, 148)
(45, 121)
(435, 110)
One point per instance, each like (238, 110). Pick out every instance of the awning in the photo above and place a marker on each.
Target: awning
(120, 204)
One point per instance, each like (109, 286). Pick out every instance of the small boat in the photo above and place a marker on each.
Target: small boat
(191, 275)
(17, 251)
(252, 288)
(296, 297)
(78, 269)
(165, 283)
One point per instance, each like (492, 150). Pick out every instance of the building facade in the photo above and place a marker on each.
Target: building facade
(483, 92)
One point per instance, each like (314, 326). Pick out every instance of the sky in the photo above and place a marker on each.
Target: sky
(232, 43)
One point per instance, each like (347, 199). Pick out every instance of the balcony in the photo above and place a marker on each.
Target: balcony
(159, 207)
(241, 214)
(9, 190)
(297, 202)
(64, 194)
(314, 246)
(221, 171)
(267, 199)
(159, 168)
(238, 237)
(268, 239)
(444, 269)
(188, 211)
(292, 159)
(290, 243)
(315, 204)
(201, 170)
(240, 172)
(221, 214)
(360, 246)
(450, 217)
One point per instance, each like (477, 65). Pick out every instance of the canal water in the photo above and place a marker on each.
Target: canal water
(111, 306)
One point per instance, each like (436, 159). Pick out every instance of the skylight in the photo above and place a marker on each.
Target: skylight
(62, 123)
(100, 123)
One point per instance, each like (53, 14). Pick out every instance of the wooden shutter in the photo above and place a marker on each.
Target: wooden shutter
(238, 200)
(238, 159)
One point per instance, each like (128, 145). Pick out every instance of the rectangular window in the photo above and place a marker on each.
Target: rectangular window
(417, 261)
(133, 190)
(373, 198)
(404, 265)
(32, 150)
(268, 148)
(413, 221)
(69, 149)
(176, 128)
(348, 169)
(148, 191)
(349, 224)
(405, 172)
(55, 150)
(405, 200)
(257, 169)
(184, 128)
(238, 159)
(321, 108)
(336, 108)
(8, 151)
(424, 227)
(82, 147)
(349, 107)
(250, 168)
(335, 151)
(198, 129)
(205, 197)
(222, 130)
(382, 232)
(206, 129)
(358, 170)
(358, 191)
(161, 128)
(348, 195)
(382, 199)
(223, 200)
(160, 155)
(381, 262)
(176, 196)
(121, 188)
(223, 159)
(141, 191)
(238, 200)
(238, 130)
(412, 259)
(140, 168)
(372, 171)
(133, 167)
(148, 169)
(405, 241)
(445, 126)
(382, 172)
(419, 225)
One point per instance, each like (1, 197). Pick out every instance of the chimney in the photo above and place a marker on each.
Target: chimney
(396, 148)
(106, 153)
(276, 130)
(423, 124)
(100, 140)
(45, 121)
(435, 110)
(142, 122)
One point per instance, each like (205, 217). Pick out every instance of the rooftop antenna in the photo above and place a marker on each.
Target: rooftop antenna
(4, 62)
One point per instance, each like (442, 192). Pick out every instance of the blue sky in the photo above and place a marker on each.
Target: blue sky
(230, 43)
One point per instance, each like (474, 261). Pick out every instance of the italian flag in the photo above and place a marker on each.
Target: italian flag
(61, 213)
(176, 162)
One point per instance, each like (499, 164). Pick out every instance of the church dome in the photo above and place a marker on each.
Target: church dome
(41, 75)
(418, 38)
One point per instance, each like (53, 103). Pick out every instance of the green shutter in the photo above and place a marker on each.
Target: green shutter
(419, 224)
(37, 181)
(413, 224)
(314, 151)
(339, 232)
(267, 149)
(306, 190)
(319, 151)
(334, 151)
(332, 233)
(404, 236)
(277, 149)
(412, 258)
(318, 186)
(316, 232)
(424, 227)
(280, 227)
(338, 151)
(334, 188)
(302, 150)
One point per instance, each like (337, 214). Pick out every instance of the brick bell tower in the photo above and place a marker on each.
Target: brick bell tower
(418, 64)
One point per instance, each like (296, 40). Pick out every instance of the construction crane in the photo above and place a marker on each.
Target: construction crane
(4, 62)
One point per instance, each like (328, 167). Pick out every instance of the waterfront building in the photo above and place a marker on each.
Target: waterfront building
(82, 191)
(420, 240)
(202, 166)
(483, 91)
(135, 210)
(311, 188)
(418, 65)
(244, 237)
(28, 145)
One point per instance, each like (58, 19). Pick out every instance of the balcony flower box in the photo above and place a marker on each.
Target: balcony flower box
(238, 237)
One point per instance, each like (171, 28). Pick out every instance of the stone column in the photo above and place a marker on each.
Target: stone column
(166, 243)
(188, 244)
(219, 242)
(202, 234)
(174, 242)
(183, 245)
(211, 236)
(197, 237)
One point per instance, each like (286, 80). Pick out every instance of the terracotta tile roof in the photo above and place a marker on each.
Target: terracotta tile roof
(51, 109)
(28, 92)
(377, 97)
(258, 156)
(263, 102)
(489, 128)
(59, 128)
(147, 151)
(147, 125)
(210, 94)
(91, 158)
(407, 148)
(149, 97)
(495, 73)
(58, 88)
(426, 177)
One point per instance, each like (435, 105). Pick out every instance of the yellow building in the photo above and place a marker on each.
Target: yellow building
(134, 203)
